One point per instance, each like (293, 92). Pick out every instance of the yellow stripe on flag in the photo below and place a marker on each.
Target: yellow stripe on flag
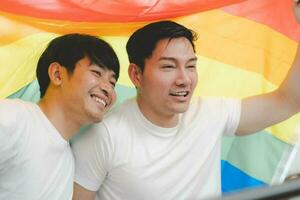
(18, 62)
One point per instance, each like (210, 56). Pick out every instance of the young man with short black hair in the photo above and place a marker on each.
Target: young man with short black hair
(77, 74)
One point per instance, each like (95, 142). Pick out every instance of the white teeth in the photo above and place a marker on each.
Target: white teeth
(179, 93)
(97, 99)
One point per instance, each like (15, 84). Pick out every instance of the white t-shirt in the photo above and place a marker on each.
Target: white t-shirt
(36, 163)
(127, 157)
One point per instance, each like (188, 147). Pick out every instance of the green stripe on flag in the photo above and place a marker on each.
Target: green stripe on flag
(28, 93)
(259, 155)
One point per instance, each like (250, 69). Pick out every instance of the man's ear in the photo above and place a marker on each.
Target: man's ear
(135, 74)
(55, 72)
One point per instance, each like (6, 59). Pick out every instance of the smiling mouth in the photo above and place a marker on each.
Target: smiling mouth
(180, 94)
(98, 100)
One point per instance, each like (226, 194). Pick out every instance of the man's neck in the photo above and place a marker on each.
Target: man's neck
(54, 111)
(157, 117)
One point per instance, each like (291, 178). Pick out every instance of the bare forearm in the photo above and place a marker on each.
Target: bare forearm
(273, 107)
(290, 87)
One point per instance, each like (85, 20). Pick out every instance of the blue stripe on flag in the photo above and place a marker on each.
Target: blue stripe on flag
(234, 179)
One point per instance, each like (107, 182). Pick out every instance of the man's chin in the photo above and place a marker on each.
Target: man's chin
(96, 118)
(181, 109)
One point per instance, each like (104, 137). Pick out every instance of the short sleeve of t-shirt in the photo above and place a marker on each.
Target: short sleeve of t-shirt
(232, 110)
(92, 152)
(216, 112)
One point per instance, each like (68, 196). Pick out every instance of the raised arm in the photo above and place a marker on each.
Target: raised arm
(265, 110)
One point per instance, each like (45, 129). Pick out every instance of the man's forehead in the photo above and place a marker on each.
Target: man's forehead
(176, 47)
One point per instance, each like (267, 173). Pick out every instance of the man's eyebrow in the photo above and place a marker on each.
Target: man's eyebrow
(193, 59)
(167, 58)
(174, 59)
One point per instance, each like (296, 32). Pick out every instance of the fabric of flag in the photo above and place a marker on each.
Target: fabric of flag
(244, 48)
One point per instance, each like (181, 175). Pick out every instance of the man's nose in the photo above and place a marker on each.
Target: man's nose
(183, 77)
(106, 87)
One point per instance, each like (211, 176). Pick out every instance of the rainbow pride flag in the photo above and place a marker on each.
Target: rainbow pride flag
(244, 48)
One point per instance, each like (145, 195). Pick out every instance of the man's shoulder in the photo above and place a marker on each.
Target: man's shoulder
(121, 112)
(118, 122)
(14, 116)
(112, 128)
(14, 107)
(212, 100)
(15, 111)
(14, 104)
(208, 105)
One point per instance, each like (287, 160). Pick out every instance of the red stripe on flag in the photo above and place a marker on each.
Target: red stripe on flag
(277, 14)
(109, 11)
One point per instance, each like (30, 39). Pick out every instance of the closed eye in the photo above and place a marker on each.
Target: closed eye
(167, 67)
(113, 83)
(191, 67)
(97, 73)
